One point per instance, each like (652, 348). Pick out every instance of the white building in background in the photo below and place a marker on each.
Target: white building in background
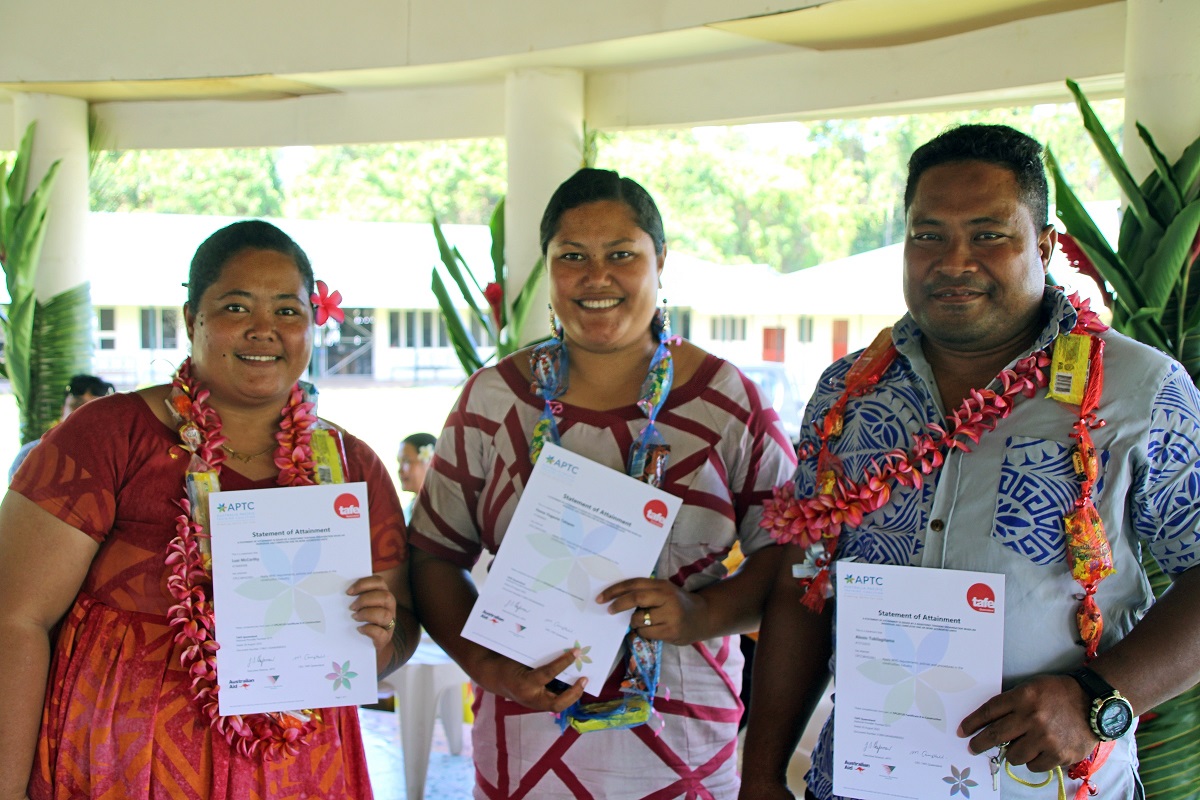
(394, 331)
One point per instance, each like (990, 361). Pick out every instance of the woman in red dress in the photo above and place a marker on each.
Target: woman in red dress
(106, 669)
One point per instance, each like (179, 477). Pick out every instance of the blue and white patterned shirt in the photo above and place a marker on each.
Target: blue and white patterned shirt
(999, 508)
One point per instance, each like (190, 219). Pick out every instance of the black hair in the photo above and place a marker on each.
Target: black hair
(419, 440)
(79, 385)
(1001, 145)
(593, 185)
(254, 234)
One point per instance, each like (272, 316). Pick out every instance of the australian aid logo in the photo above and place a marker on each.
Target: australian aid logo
(981, 598)
(346, 506)
(655, 513)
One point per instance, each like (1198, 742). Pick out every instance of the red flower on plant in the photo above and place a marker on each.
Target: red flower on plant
(1079, 260)
(325, 304)
(494, 294)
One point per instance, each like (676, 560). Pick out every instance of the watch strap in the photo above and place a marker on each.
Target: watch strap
(1093, 684)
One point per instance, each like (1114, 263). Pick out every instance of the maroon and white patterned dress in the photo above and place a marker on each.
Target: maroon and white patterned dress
(727, 451)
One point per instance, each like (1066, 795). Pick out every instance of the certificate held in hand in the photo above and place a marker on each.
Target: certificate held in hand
(579, 528)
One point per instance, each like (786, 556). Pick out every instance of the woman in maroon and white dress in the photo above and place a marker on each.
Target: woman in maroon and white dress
(603, 241)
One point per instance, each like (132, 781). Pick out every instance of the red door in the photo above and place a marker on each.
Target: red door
(773, 339)
(841, 338)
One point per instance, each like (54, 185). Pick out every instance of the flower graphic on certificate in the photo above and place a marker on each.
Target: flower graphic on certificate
(290, 586)
(576, 561)
(913, 670)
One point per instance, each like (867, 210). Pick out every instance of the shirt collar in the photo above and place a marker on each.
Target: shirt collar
(1059, 313)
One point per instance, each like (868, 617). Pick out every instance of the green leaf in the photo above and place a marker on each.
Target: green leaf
(1116, 164)
(454, 263)
(1163, 169)
(496, 227)
(460, 336)
(1187, 171)
(520, 306)
(61, 347)
(1168, 263)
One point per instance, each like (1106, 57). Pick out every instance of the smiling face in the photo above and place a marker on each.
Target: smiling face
(974, 260)
(252, 331)
(603, 277)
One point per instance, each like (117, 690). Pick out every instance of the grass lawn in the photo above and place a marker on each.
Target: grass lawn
(379, 415)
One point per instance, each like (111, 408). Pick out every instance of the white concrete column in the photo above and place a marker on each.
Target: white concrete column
(62, 134)
(1162, 79)
(544, 130)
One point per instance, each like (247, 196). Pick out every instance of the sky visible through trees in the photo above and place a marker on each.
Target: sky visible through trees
(788, 194)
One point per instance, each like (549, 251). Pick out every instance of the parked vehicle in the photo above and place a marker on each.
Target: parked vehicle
(783, 391)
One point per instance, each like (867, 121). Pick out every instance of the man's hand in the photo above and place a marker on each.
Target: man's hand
(1044, 720)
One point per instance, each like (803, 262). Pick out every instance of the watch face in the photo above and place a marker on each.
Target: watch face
(1114, 718)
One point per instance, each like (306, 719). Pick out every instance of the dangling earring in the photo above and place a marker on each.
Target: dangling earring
(666, 321)
(555, 330)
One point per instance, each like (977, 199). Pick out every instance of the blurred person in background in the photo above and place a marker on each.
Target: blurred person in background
(80, 389)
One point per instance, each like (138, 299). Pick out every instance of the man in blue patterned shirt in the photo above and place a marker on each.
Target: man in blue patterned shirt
(977, 247)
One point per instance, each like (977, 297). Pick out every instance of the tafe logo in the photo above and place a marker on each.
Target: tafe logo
(655, 513)
(346, 506)
(981, 598)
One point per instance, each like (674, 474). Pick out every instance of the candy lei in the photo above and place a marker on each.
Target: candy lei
(647, 462)
(816, 522)
(189, 581)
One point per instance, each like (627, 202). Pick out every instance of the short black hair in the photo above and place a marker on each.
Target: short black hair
(419, 440)
(252, 234)
(79, 385)
(1001, 145)
(593, 185)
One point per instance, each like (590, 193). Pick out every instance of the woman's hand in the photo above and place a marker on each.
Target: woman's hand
(528, 686)
(661, 610)
(375, 606)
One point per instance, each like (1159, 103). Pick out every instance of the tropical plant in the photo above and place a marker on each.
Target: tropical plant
(44, 344)
(503, 319)
(1154, 299)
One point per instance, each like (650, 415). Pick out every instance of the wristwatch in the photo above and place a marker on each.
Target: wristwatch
(1112, 715)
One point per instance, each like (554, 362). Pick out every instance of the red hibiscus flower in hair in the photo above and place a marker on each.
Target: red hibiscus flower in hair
(326, 305)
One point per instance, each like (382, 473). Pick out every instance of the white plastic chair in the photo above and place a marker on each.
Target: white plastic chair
(428, 686)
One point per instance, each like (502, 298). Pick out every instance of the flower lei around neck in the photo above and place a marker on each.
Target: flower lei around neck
(817, 521)
(190, 564)
(648, 457)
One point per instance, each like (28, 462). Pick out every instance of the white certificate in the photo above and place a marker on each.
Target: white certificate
(917, 650)
(282, 561)
(579, 528)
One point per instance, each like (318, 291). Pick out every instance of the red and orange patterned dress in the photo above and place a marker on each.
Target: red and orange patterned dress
(119, 721)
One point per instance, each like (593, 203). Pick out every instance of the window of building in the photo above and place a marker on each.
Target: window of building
(804, 328)
(160, 329)
(729, 329)
(106, 329)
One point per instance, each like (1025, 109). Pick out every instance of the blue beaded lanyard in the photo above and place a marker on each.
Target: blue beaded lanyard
(647, 462)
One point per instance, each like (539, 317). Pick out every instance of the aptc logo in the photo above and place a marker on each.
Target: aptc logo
(863, 580)
(562, 465)
(655, 513)
(245, 505)
(346, 506)
(981, 598)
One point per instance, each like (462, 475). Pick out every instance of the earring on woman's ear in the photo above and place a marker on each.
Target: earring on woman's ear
(666, 321)
(555, 330)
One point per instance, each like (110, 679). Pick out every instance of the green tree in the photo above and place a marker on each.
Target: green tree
(462, 180)
(218, 182)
